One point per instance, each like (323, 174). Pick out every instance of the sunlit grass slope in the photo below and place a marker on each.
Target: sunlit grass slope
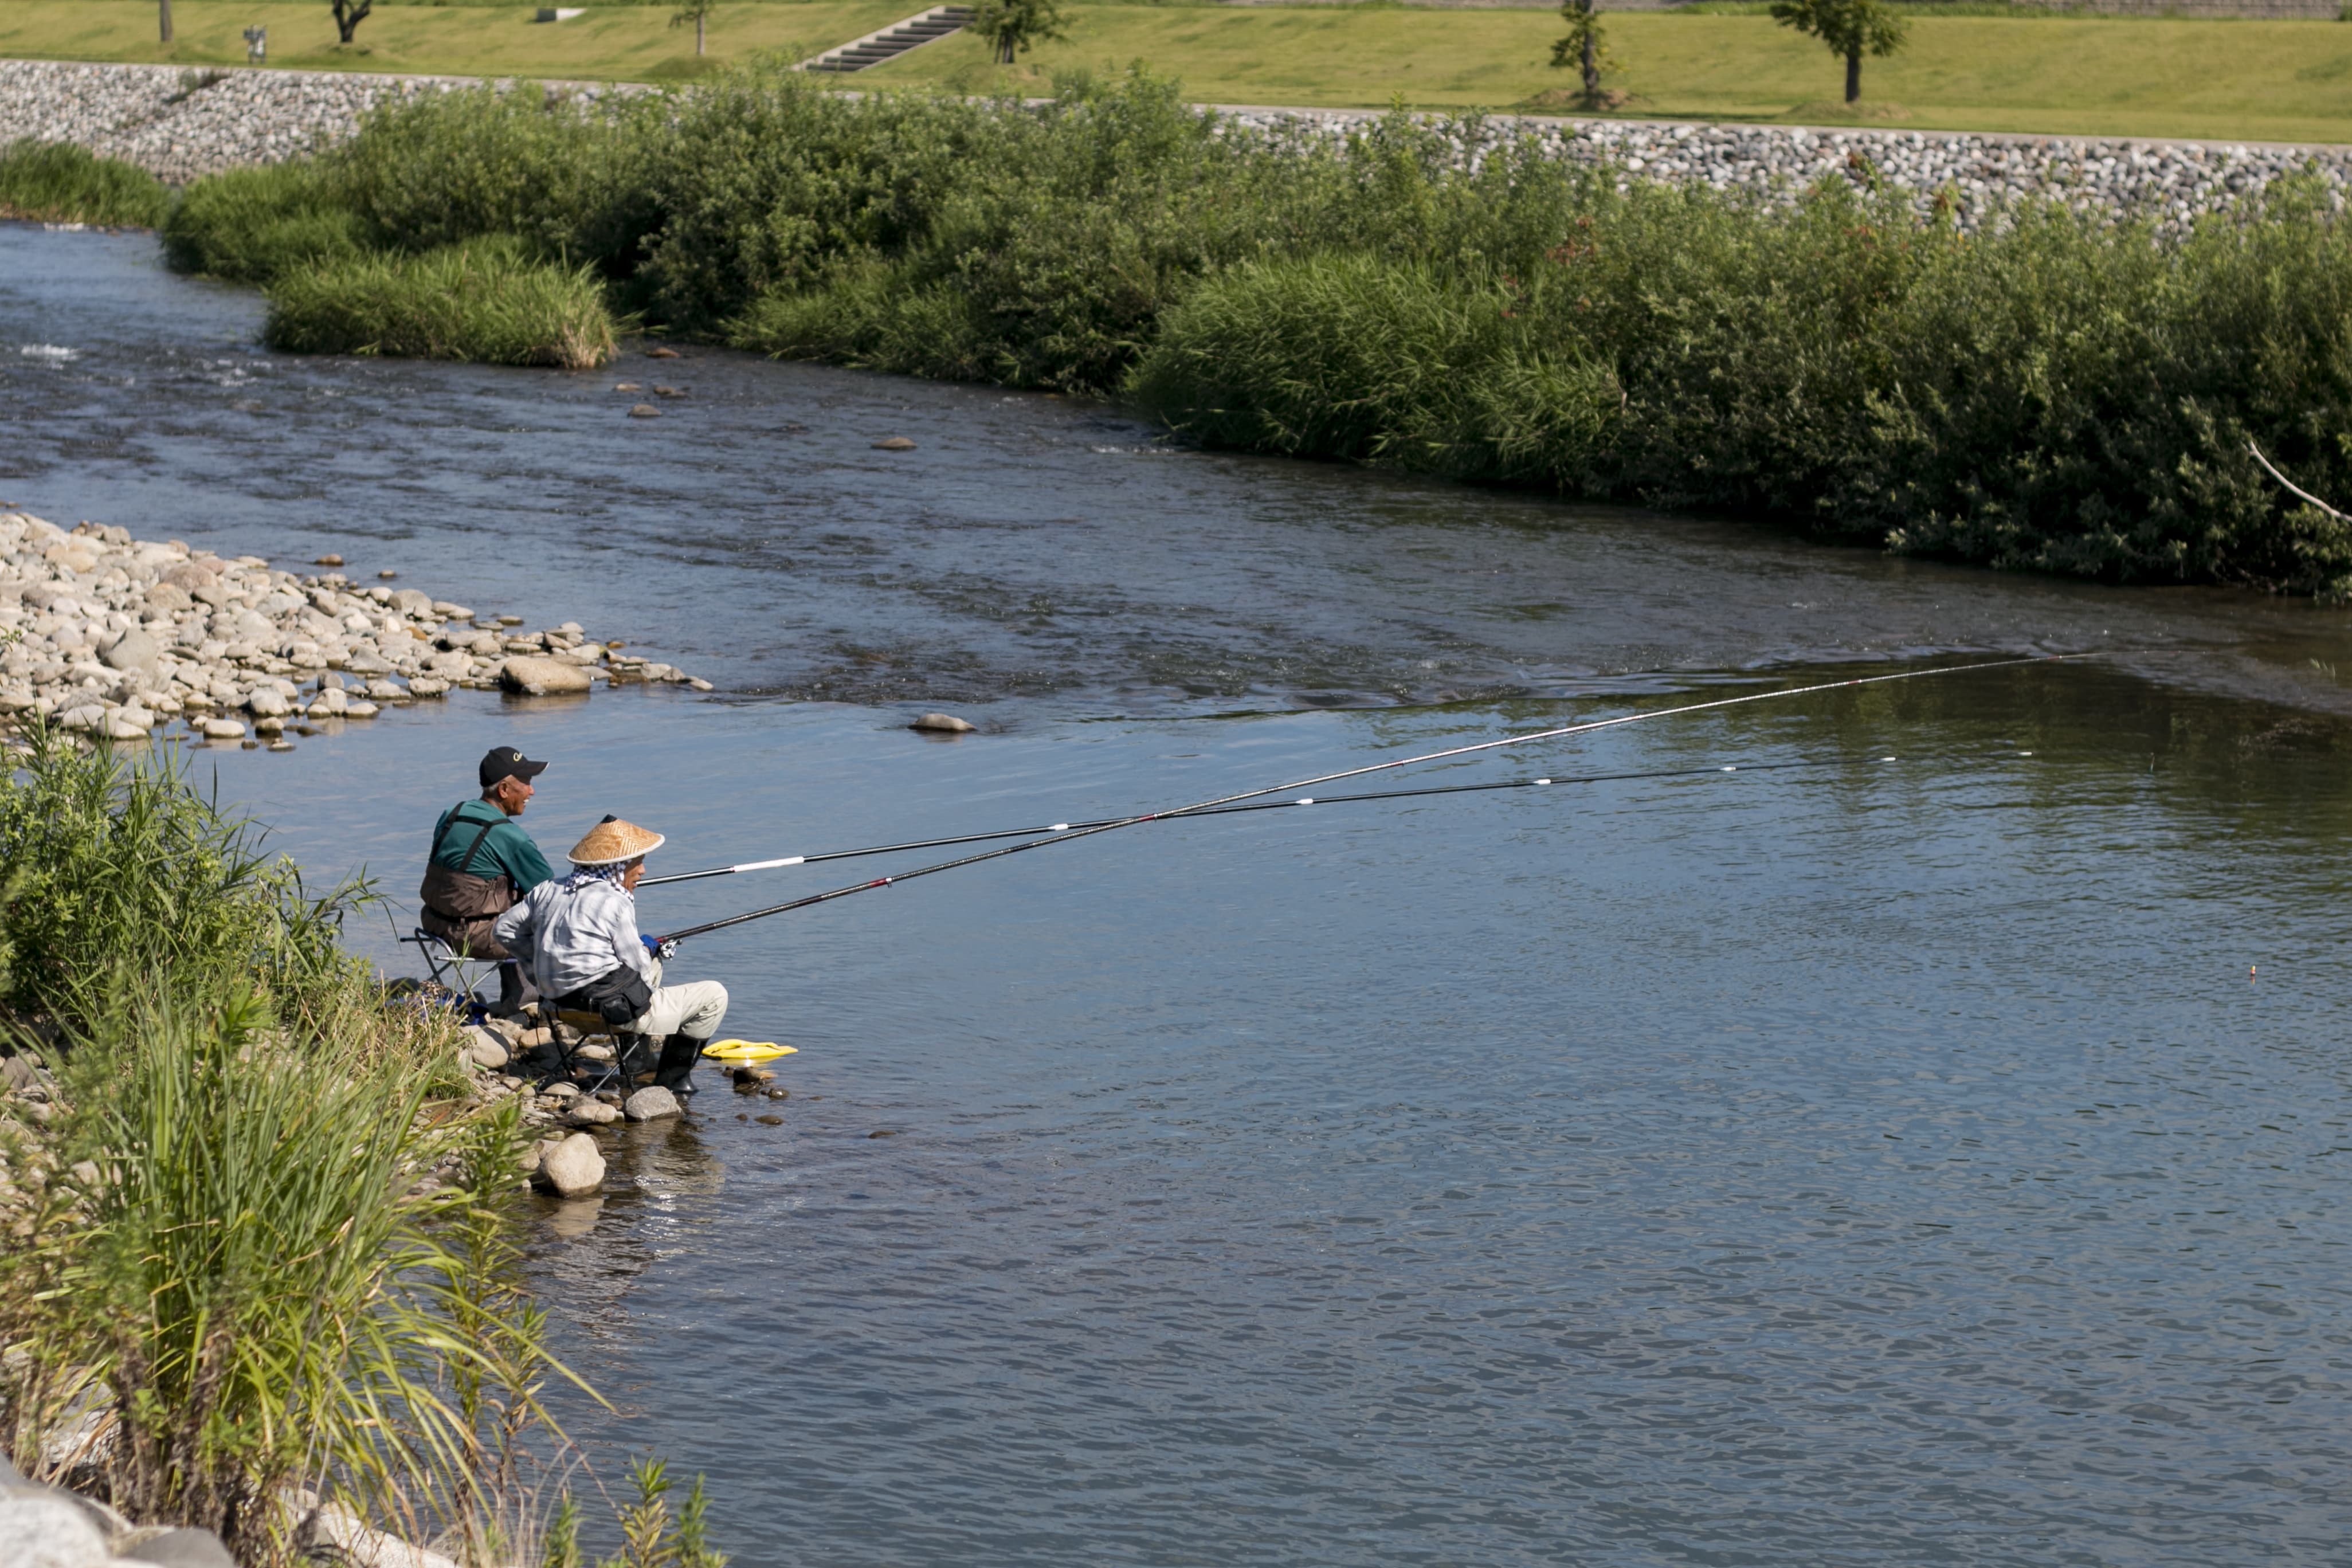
(618, 43)
(2238, 80)
(2228, 79)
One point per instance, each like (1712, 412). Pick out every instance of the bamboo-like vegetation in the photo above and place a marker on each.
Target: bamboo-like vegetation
(263, 1245)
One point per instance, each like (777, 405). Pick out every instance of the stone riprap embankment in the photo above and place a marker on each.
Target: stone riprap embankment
(1978, 173)
(181, 124)
(103, 635)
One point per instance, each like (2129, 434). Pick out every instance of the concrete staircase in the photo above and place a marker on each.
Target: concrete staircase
(892, 41)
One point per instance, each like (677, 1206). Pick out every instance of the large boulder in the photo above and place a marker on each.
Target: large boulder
(44, 1530)
(545, 676)
(573, 1168)
(337, 1535)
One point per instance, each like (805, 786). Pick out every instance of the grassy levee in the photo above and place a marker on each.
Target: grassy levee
(610, 43)
(2252, 80)
(261, 1238)
(2229, 80)
(51, 182)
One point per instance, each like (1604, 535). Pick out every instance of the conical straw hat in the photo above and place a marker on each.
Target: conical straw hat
(612, 841)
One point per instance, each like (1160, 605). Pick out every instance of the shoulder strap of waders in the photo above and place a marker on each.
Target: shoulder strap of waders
(465, 861)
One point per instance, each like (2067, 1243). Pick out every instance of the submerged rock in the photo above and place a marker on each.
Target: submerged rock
(894, 444)
(944, 724)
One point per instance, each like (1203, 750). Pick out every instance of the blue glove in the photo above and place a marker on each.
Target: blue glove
(651, 946)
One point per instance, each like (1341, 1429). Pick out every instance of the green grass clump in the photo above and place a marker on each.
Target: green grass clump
(483, 300)
(248, 226)
(55, 182)
(109, 867)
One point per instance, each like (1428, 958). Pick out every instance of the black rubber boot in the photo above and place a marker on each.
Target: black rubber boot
(675, 1074)
(510, 1003)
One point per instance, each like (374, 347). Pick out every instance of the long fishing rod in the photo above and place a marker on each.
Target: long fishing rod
(1227, 810)
(1206, 805)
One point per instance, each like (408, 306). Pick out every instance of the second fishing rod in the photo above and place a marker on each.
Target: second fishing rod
(1211, 806)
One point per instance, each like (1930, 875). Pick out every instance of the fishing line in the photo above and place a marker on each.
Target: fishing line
(1050, 827)
(1205, 806)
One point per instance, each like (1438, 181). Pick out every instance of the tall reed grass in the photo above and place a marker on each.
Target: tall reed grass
(55, 182)
(262, 1248)
(2062, 392)
(482, 300)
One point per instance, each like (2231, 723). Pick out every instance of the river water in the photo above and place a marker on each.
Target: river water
(1935, 1159)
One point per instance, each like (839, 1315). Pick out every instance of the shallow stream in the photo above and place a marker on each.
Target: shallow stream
(1911, 1162)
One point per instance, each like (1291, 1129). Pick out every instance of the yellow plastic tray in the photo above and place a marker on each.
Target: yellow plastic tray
(746, 1051)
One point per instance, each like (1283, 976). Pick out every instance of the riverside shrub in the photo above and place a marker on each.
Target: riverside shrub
(2061, 392)
(248, 226)
(483, 300)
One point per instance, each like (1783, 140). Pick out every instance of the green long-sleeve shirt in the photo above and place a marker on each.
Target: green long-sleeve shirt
(505, 848)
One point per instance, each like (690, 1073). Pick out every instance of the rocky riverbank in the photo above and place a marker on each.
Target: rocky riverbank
(183, 124)
(106, 635)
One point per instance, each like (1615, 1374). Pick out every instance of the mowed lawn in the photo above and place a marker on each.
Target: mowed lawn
(2286, 81)
(616, 43)
(2289, 82)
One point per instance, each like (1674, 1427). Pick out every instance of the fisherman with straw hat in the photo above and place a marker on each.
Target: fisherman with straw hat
(579, 935)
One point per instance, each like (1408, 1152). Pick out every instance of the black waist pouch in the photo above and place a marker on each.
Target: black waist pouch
(615, 996)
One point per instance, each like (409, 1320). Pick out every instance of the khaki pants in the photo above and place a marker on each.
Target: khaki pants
(694, 1008)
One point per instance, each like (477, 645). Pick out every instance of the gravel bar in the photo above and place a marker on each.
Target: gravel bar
(107, 635)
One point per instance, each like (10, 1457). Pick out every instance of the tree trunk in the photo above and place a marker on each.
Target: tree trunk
(1592, 66)
(166, 6)
(698, 33)
(1004, 50)
(1852, 74)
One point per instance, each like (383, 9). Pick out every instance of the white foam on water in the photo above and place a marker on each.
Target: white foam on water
(50, 352)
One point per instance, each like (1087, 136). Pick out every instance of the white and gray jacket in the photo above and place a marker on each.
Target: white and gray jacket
(573, 931)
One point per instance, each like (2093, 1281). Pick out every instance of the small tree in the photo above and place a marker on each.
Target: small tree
(1011, 25)
(1583, 46)
(694, 11)
(166, 6)
(1849, 27)
(350, 14)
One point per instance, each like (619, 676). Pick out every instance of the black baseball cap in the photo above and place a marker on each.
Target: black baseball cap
(506, 763)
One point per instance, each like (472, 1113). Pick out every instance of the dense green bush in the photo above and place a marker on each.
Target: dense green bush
(250, 225)
(485, 299)
(55, 182)
(2064, 391)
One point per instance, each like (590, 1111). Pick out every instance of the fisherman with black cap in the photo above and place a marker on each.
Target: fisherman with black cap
(481, 865)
